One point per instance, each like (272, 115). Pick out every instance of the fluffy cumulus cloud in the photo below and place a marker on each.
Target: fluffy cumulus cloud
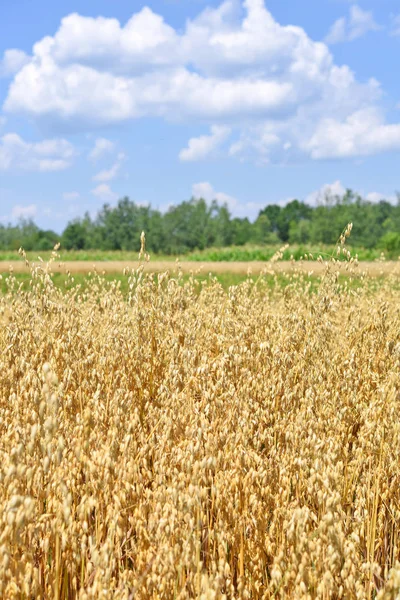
(206, 191)
(362, 133)
(102, 146)
(112, 172)
(107, 174)
(104, 193)
(232, 68)
(331, 191)
(202, 146)
(48, 155)
(19, 212)
(13, 60)
(98, 72)
(326, 192)
(378, 196)
(356, 25)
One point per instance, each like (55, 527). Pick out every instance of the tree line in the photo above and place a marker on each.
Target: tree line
(197, 225)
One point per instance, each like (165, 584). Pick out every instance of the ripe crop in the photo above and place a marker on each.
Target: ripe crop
(188, 442)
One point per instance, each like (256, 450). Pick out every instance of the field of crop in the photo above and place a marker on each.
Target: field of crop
(244, 253)
(182, 440)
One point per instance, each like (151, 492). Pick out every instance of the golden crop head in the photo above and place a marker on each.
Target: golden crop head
(184, 441)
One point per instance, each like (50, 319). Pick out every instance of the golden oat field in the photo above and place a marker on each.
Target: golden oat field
(185, 441)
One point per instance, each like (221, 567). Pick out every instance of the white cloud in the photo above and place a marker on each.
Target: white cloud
(356, 25)
(206, 191)
(258, 147)
(362, 133)
(94, 71)
(107, 174)
(13, 60)
(104, 192)
(101, 147)
(329, 191)
(74, 94)
(24, 212)
(48, 155)
(396, 25)
(200, 147)
(233, 67)
(338, 32)
(103, 43)
(284, 201)
(378, 196)
(71, 195)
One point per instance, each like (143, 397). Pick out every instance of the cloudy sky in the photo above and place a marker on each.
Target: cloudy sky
(250, 102)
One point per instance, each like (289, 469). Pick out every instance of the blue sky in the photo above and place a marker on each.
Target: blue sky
(250, 102)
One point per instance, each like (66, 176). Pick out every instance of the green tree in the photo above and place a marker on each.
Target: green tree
(300, 232)
(391, 243)
(272, 211)
(294, 211)
(242, 230)
(222, 225)
(262, 230)
(74, 236)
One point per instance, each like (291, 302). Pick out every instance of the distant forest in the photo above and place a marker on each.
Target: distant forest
(197, 225)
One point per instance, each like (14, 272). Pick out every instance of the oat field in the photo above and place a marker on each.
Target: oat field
(190, 442)
(81, 267)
